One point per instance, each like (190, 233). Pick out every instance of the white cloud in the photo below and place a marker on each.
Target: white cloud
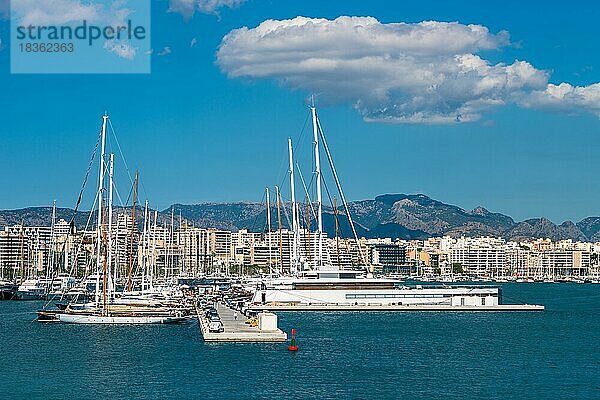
(426, 72)
(57, 12)
(565, 97)
(188, 8)
(121, 49)
(54, 12)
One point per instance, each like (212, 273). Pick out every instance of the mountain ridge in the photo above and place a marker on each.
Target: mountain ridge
(404, 216)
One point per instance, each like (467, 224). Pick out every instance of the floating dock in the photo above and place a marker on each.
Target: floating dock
(401, 308)
(236, 330)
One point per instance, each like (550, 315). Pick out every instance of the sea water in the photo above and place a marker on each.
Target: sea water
(553, 354)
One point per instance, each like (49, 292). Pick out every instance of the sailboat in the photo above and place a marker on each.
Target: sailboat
(105, 309)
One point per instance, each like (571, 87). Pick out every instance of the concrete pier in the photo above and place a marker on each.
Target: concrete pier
(237, 330)
(399, 308)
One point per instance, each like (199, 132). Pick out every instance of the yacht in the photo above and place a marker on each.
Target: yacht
(7, 290)
(357, 288)
(33, 289)
(61, 285)
(317, 285)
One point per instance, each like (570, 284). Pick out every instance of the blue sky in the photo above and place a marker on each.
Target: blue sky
(198, 135)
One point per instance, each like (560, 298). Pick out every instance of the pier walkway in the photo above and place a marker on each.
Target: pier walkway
(236, 330)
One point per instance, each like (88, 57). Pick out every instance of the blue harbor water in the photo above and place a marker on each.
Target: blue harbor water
(553, 354)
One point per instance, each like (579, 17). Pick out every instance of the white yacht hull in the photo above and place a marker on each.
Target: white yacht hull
(117, 320)
(474, 297)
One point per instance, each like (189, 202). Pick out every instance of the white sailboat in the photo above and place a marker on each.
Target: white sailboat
(105, 309)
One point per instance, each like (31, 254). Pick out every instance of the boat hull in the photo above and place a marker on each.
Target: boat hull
(116, 320)
(23, 295)
(7, 295)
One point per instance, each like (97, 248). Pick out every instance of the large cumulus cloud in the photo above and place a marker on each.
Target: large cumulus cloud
(428, 72)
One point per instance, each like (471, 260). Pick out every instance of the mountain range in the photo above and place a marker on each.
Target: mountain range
(392, 215)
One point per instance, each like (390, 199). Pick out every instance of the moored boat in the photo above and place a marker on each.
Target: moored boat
(33, 289)
(8, 290)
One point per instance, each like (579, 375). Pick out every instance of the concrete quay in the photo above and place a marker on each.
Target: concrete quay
(236, 330)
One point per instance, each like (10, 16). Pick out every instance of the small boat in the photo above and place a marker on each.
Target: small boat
(33, 289)
(7, 290)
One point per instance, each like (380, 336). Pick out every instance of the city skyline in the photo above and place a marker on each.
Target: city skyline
(201, 129)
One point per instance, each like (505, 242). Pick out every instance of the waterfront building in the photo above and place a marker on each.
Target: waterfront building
(480, 261)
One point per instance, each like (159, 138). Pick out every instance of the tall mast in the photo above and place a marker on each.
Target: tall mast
(100, 194)
(129, 275)
(154, 257)
(52, 241)
(269, 228)
(172, 241)
(22, 254)
(313, 111)
(145, 246)
(280, 228)
(344, 202)
(337, 230)
(110, 210)
(293, 264)
(104, 275)
(309, 245)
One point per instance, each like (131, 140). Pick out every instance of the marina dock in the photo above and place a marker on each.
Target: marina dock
(236, 330)
(399, 308)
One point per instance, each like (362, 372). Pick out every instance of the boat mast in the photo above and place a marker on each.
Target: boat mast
(110, 210)
(308, 243)
(269, 229)
(154, 257)
(343, 198)
(293, 264)
(100, 192)
(172, 242)
(280, 229)
(337, 230)
(104, 276)
(145, 247)
(318, 182)
(22, 254)
(135, 189)
(52, 241)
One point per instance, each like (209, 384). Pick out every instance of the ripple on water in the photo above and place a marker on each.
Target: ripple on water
(553, 354)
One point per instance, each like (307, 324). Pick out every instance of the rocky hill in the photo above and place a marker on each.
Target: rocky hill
(391, 215)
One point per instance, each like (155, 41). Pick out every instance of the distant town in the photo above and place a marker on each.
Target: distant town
(185, 250)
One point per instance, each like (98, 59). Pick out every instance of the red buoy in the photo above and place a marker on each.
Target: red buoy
(292, 346)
